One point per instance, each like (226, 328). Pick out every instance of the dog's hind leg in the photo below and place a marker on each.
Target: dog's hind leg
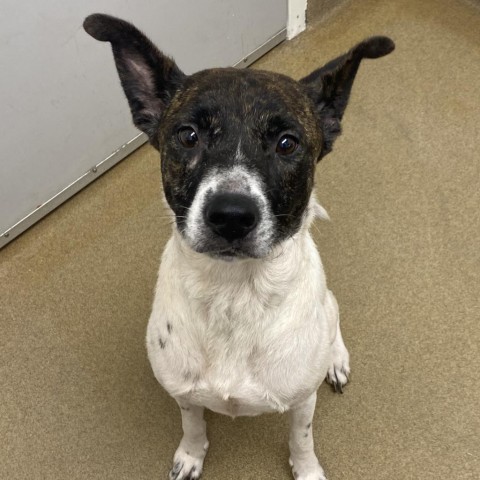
(304, 463)
(188, 459)
(339, 369)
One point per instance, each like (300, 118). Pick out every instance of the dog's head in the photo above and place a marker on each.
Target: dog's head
(238, 147)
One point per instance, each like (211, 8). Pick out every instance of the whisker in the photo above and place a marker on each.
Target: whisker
(165, 207)
(319, 232)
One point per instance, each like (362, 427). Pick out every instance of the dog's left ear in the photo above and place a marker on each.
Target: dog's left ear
(329, 87)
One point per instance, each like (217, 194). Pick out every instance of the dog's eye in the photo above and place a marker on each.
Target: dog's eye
(188, 137)
(287, 145)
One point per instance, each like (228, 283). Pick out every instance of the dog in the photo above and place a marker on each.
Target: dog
(242, 322)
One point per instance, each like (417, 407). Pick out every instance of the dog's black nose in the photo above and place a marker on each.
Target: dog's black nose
(231, 215)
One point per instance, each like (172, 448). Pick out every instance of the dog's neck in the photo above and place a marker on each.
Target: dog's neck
(282, 265)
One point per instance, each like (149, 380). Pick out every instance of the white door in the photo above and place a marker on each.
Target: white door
(64, 117)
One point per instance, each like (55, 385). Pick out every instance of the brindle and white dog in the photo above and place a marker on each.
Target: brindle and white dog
(242, 321)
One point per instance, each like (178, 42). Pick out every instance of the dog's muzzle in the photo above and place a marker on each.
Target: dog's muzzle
(231, 216)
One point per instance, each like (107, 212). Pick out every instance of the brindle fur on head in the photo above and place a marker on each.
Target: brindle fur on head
(219, 121)
(239, 116)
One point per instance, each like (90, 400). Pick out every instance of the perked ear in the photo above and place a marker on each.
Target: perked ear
(330, 86)
(149, 78)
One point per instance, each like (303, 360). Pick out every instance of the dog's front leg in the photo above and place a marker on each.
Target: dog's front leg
(188, 459)
(304, 463)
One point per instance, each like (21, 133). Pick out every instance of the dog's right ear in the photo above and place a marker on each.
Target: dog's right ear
(149, 78)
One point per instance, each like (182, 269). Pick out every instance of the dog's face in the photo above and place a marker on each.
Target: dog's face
(238, 147)
(238, 155)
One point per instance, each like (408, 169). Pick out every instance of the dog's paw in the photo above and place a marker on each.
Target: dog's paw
(339, 370)
(337, 377)
(187, 465)
(312, 471)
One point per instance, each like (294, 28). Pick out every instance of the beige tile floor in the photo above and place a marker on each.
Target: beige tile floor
(78, 400)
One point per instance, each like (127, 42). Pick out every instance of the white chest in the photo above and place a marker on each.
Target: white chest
(243, 345)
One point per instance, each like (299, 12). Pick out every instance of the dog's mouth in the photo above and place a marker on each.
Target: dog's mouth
(213, 246)
(230, 253)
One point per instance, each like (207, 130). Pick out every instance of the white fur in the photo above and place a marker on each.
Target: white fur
(245, 337)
